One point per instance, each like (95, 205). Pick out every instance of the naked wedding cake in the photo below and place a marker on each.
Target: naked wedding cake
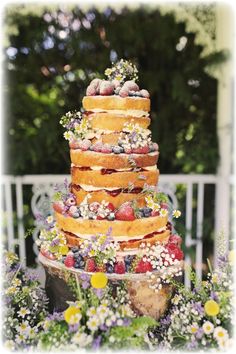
(111, 218)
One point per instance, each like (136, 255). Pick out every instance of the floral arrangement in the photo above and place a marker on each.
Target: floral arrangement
(24, 305)
(122, 71)
(202, 317)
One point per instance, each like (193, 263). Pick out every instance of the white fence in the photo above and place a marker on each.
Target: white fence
(41, 187)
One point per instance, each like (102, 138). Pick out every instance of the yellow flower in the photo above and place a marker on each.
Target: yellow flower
(108, 72)
(212, 308)
(72, 315)
(63, 250)
(118, 77)
(214, 278)
(176, 213)
(98, 280)
(163, 212)
(193, 328)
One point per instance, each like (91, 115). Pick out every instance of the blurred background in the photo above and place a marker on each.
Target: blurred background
(184, 56)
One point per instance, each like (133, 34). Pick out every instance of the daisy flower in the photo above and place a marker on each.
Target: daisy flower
(23, 312)
(176, 213)
(93, 323)
(208, 327)
(220, 334)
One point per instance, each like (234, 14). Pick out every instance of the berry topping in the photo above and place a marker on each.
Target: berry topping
(70, 201)
(119, 267)
(117, 149)
(98, 146)
(75, 249)
(176, 239)
(116, 83)
(143, 267)
(144, 93)
(91, 91)
(128, 262)
(69, 260)
(141, 150)
(174, 250)
(73, 210)
(130, 86)
(106, 149)
(90, 265)
(58, 206)
(111, 206)
(94, 206)
(96, 84)
(74, 144)
(106, 88)
(109, 268)
(85, 144)
(111, 216)
(146, 212)
(125, 212)
(124, 92)
(154, 213)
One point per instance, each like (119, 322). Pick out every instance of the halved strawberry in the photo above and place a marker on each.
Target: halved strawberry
(111, 206)
(141, 150)
(125, 212)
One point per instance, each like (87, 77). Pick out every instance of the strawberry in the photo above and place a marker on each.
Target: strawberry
(125, 212)
(100, 217)
(176, 239)
(106, 88)
(119, 267)
(85, 144)
(143, 267)
(131, 86)
(90, 265)
(144, 93)
(175, 250)
(91, 91)
(106, 149)
(164, 205)
(127, 150)
(111, 206)
(73, 210)
(69, 260)
(141, 150)
(116, 83)
(58, 206)
(124, 92)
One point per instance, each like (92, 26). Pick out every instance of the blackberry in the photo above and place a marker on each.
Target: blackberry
(79, 264)
(128, 262)
(146, 211)
(109, 268)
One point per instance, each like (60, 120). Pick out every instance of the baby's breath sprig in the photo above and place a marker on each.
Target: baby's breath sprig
(122, 71)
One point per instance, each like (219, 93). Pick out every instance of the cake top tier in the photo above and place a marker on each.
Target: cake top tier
(121, 82)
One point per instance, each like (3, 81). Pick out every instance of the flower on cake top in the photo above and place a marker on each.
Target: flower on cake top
(122, 71)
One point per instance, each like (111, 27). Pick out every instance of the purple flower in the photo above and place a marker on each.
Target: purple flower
(85, 285)
(55, 242)
(199, 333)
(55, 316)
(192, 345)
(103, 327)
(109, 231)
(214, 296)
(73, 328)
(85, 277)
(96, 343)
(126, 322)
(165, 321)
(98, 292)
(198, 307)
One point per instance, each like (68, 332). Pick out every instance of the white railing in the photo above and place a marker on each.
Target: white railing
(42, 191)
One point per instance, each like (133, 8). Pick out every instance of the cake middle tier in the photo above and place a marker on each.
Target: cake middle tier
(135, 228)
(111, 160)
(91, 180)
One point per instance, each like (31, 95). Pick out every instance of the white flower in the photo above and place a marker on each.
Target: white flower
(82, 339)
(176, 213)
(220, 333)
(93, 323)
(10, 345)
(91, 311)
(68, 135)
(49, 219)
(163, 212)
(23, 328)
(112, 339)
(208, 327)
(16, 282)
(23, 312)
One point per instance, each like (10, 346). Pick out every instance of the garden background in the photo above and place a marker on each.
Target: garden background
(51, 53)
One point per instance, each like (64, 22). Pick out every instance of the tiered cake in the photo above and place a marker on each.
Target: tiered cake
(112, 218)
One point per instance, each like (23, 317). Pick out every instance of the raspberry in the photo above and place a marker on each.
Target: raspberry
(106, 88)
(155, 213)
(98, 146)
(72, 210)
(176, 239)
(58, 206)
(91, 91)
(143, 267)
(85, 144)
(144, 93)
(106, 149)
(131, 86)
(173, 249)
(69, 260)
(100, 217)
(119, 267)
(90, 265)
(141, 150)
(124, 92)
(125, 212)
(111, 206)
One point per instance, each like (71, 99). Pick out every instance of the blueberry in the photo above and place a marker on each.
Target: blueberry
(151, 148)
(80, 264)
(128, 261)
(75, 249)
(146, 211)
(111, 216)
(109, 268)
(117, 149)
(76, 215)
(91, 147)
(78, 257)
(76, 265)
(117, 90)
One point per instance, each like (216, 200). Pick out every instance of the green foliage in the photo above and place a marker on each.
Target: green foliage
(51, 58)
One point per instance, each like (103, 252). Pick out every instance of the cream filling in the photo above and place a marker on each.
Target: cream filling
(98, 168)
(89, 188)
(118, 238)
(129, 112)
(153, 153)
